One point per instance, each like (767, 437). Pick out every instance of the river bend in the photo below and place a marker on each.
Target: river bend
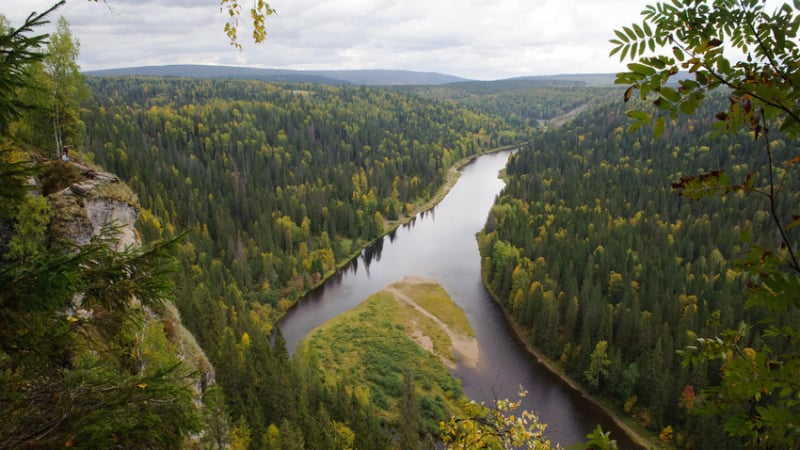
(440, 244)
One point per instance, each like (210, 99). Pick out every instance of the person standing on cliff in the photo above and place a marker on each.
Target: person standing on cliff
(65, 153)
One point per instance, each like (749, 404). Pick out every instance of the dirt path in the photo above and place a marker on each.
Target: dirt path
(464, 347)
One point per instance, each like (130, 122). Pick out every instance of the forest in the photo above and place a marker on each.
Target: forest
(277, 185)
(618, 250)
(610, 271)
(588, 247)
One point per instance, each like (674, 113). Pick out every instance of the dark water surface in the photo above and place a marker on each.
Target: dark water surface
(440, 244)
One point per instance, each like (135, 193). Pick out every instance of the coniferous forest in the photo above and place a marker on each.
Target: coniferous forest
(646, 263)
(277, 185)
(589, 248)
(610, 272)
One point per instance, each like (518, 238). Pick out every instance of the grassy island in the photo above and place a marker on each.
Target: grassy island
(412, 325)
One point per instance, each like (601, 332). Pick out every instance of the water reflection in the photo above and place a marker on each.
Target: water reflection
(440, 244)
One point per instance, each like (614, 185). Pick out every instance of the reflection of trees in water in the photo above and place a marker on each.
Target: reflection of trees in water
(369, 254)
(372, 252)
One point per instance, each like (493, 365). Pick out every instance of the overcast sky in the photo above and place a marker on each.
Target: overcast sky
(484, 40)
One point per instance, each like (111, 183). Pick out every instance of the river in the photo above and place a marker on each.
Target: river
(440, 244)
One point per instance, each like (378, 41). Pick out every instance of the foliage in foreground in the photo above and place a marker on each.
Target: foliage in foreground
(758, 394)
(502, 427)
(80, 363)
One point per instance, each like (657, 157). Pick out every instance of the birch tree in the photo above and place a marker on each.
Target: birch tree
(65, 86)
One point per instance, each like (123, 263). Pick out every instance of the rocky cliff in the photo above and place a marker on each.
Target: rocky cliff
(94, 202)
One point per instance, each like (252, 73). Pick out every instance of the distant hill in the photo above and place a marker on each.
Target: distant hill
(335, 77)
(591, 79)
(586, 79)
(359, 77)
(510, 84)
(228, 72)
(390, 77)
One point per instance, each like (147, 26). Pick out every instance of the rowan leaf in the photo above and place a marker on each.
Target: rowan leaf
(628, 93)
(669, 94)
(638, 30)
(641, 69)
(658, 128)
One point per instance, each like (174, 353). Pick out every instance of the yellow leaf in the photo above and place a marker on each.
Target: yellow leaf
(141, 385)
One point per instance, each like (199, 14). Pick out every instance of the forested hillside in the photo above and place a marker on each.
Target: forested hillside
(277, 185)
(609, 271)
(522, 102)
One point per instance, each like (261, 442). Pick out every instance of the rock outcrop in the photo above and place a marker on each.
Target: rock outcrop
(98, 200)
(96, 203)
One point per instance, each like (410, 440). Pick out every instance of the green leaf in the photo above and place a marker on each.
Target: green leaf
(776, 291)
(641, 69)
(669, 94)
(724, 66)
(638, 30)
(689, 106)
(780, 37)
(658, 128)
(657, 63)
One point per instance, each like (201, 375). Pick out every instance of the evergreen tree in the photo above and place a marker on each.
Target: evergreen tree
(408, 433)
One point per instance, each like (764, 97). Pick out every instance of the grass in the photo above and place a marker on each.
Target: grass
(435, 300)
(371, 346)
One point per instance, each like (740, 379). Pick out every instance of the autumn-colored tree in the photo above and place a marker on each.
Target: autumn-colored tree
(483, 427)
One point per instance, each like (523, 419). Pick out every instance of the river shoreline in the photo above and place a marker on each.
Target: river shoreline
(637, 438)
(390, 226)
(453, 176)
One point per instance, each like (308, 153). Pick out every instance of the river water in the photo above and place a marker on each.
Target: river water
(440, 244)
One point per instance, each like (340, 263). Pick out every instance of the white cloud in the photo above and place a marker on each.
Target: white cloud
(486, 39)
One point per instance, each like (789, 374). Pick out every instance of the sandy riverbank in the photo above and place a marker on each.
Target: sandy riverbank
(465, 347)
